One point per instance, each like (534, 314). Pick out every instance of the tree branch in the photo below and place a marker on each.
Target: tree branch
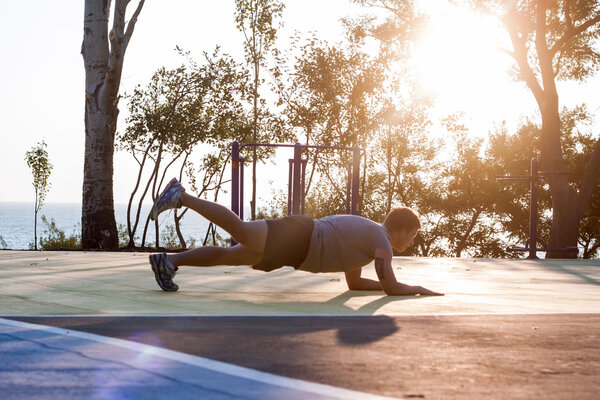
(131, 24)
(541, 47)
(520, 53)
(568, 19)
(118, 45)
(527, 74)
(572, 33)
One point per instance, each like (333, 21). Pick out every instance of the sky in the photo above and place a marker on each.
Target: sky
(42, 75)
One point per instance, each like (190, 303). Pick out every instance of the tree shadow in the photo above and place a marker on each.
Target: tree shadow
(555, 266)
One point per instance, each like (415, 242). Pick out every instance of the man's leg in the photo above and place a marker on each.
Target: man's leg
(209, 256)
(251, 234)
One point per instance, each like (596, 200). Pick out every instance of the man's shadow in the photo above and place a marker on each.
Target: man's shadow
(353, 326)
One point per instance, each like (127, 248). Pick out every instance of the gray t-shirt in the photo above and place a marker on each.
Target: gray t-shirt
(344, 242)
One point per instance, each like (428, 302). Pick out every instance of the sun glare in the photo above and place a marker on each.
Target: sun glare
(458, 59)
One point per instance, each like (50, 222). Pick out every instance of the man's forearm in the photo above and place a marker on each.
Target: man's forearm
(400, 289)
(365, 284)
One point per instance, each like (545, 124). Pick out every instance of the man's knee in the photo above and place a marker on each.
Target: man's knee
(252, 234)
(241, 255)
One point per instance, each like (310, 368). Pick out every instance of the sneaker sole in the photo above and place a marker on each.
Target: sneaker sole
(157, 277)
(154, 211)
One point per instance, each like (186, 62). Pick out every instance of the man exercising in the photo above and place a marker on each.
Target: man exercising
(338, 243)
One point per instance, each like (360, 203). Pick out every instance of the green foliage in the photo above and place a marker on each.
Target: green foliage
(554, 40)
(169, 238)
(3, 244)
(256, 19)
(259, 20)
(352, 93)
(124, 236)
(177, 112)
(572, 29)
(56, 239)
(38, 163)
(215, 238)
(186, 105)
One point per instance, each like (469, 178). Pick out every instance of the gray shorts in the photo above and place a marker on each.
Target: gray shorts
(288, 240)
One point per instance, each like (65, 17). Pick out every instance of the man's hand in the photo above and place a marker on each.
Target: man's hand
(420, 290)
(389, 284)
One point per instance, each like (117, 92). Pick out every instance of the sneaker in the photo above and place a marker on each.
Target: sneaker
(164, 272)
(168, 199)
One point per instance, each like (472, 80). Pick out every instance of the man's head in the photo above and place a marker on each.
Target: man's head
(403, 224)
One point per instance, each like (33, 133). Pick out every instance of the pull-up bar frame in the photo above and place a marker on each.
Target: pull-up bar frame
(297, 168)
(535, 177)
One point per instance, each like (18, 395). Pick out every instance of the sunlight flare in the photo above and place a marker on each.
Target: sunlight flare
(459, 59)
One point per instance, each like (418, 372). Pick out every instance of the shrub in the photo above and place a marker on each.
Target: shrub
(56, 239)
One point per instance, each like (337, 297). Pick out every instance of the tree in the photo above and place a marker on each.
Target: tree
(256, 20)
(37, 161)
(469, 190)
(552, 41)
(103, 55)
(177, 110)
(510, 154)
(332, 95)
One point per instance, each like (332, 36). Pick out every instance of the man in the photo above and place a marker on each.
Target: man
(339, 243)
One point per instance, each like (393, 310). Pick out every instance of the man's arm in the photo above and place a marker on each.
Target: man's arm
(387, 279)
(355, 282)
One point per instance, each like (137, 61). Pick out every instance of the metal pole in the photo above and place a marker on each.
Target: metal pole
(303, 186)
(290, 174)
(235, 180)
(355, 179)
(296, 179)
(533, 210)
(348, 187)
(242, 160)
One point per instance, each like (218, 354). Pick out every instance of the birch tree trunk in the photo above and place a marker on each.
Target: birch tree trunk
(103, 54)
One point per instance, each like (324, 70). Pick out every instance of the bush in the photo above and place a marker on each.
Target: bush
(3, 244)
(124, 236)
(56, 239)
(169, 238)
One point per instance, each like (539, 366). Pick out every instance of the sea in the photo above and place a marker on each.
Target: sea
(17, 222)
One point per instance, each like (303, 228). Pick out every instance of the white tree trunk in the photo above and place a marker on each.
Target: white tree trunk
(103, 54)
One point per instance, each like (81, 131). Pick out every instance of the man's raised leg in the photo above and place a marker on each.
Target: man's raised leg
(251, 234)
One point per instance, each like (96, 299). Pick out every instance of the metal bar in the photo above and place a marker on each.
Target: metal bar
(296, 179)
(235, 180)
(242, 160)
(518, 178)
(355, 179)
(554, 173)
(265, 145)
(348, 187)
(519, 249)
(290, 172)
(304, 146)
(303, 186)
(533, 210)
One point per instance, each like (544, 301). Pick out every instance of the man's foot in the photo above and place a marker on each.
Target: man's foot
(164, 272)
(168, 199)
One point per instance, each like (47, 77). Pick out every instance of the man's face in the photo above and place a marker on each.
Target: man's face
(404, 239)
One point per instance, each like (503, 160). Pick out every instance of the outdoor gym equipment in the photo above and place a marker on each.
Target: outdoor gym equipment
(534, 178)
(296, 177)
